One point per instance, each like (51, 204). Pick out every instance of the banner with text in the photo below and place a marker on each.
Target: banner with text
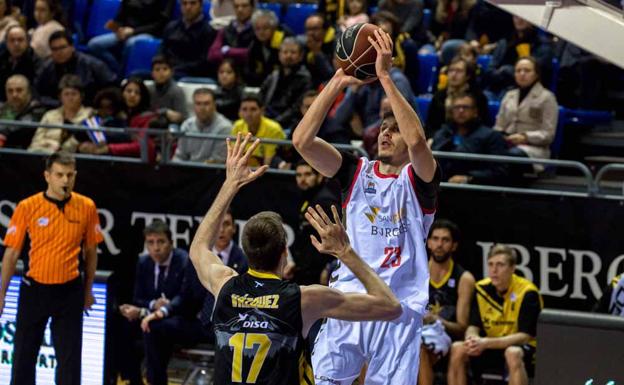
(570, 247)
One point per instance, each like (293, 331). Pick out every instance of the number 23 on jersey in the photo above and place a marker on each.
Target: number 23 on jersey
(392, 257)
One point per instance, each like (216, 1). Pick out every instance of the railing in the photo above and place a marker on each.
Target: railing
(591, 185)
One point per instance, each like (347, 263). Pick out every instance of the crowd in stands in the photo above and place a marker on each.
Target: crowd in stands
(52, 77)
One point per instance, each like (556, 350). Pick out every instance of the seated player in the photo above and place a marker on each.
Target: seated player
(450, 292)
(503, 324)
(260, 320)
(612, 301)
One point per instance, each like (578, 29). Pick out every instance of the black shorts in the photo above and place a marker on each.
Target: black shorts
(492, 361)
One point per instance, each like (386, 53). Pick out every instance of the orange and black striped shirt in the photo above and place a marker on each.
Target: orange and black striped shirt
(57, 231)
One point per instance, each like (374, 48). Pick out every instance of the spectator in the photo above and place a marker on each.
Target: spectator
(229, 89)
(465, 133)
(136, 102)
(64, 59)
(253, 121)
(186, 41)
(356, 14)
(8, 17)
(308, 263)
(206, 121)
(450, 292)
(364, 101)
(319, 42)
(283, 88)
(525, 41)
(450, 25)
(157, 285)
(17, 58)
(19, 106)
(50, 18)
(264, 50)
(408, 12)
(612, 300)
(503, 324)
(221, 13)
(331, 130)
(71, 111)
(528, 114)
(332, 10)
(405, 48)
(460, 79)
(234, 40)
(167, 98)
(187, 321)
(135, 20)
(487, 25)
(108, 113)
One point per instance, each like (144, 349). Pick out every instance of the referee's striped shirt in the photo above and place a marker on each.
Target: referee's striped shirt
(57, 232)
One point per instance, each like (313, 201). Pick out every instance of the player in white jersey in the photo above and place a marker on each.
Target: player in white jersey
(389, 205)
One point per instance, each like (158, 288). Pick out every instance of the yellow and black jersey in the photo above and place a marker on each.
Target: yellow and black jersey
(257, 321)
(443, 295)
(516, 311)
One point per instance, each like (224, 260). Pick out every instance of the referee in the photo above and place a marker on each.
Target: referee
(60, 224)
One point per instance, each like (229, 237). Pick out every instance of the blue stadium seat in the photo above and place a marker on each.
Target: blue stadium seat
(427, 18)
(140, 57)
(101, 12)
(483, 62)
(555, 146)
(177, 11)
(373, 10)
(207, 5)
(427, 73)
(275, 7)
(588, 117)
(296, 15)
(79, 18)
(423, 102)
(493, 107)
(555, 75)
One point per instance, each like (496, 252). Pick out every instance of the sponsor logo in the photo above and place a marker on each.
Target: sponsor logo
(256, 324)
(370, 189)
(242, 317)
(11, 230)
(389, 231)
(259, 284)
(397, 217)
(263, 302)
(373, 214)
(43, 222)
(451, 282)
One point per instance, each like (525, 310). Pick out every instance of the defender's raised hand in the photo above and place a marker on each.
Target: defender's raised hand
(334, 239)
(237, 162)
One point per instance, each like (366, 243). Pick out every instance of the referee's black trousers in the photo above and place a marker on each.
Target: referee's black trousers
(37, 303)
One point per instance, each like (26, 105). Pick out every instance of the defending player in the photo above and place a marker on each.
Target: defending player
(389, 207)
(260, 321)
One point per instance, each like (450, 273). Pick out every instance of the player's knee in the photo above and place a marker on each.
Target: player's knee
(458, 352)
(514, 356)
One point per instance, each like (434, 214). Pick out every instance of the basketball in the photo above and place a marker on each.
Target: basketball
(355, 54)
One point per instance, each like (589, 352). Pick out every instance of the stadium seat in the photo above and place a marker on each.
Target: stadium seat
(101, 12)
(177, 12)
(555, 146)
(555, 75)
(588, 117)
(275, 7)
(423, 103)
(427, 18)
(373, 10)
(483, 62)
(493, 107)
(207, 5)
(296, 15)
(140, 57)
(79, 18)
(427, 73)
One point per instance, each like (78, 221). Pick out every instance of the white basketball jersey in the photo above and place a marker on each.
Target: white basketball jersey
(388, 229)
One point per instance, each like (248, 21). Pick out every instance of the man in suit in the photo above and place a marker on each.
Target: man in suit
(158, 284)
(186, 319)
